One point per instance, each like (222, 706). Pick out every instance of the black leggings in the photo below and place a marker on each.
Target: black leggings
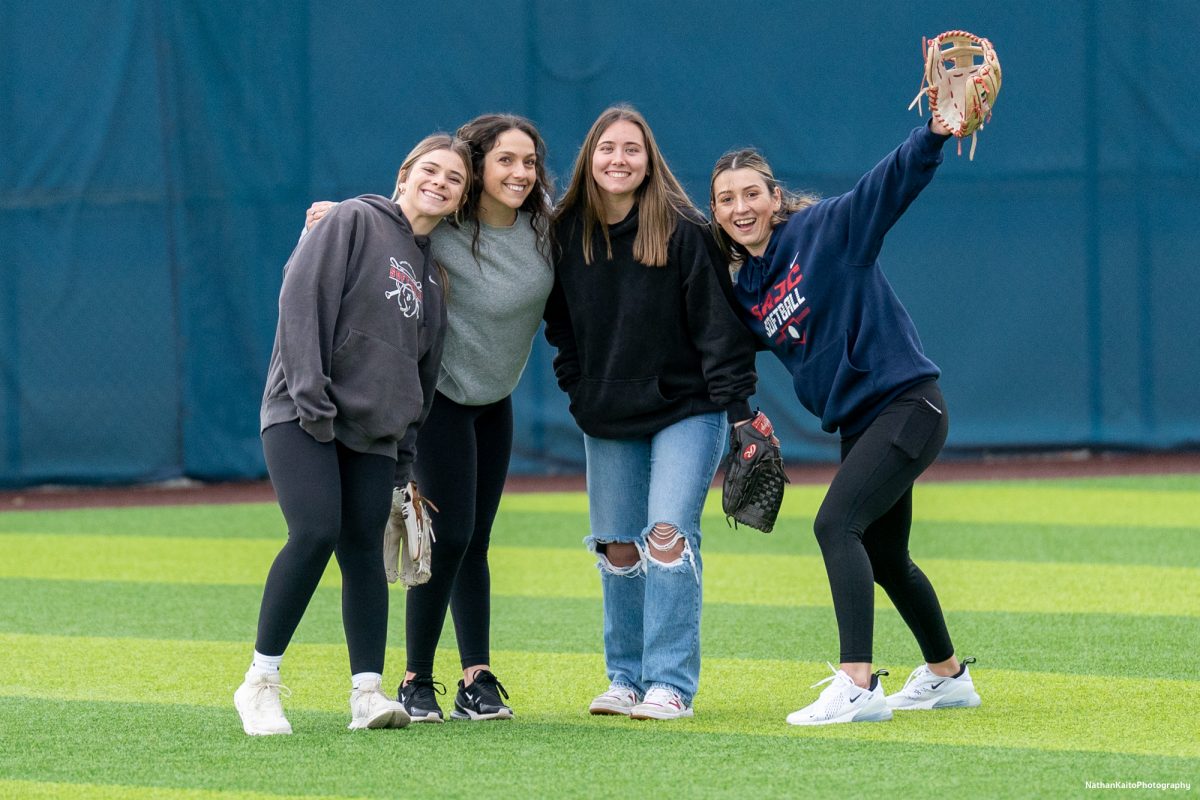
(335, 501)
(864, 522)
(462, 461)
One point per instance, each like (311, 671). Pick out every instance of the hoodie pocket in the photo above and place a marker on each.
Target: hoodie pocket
(593, 398)
(830, 375)
(375, 386)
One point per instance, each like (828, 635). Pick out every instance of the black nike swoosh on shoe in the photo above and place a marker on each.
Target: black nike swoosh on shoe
(852, 699)
(936, 685)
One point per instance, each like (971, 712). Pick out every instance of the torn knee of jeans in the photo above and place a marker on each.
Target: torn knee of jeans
(665, 543)
(626, 561)
(668, 548)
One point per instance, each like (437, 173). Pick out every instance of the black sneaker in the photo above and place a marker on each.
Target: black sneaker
(481, 700)
(419, 698)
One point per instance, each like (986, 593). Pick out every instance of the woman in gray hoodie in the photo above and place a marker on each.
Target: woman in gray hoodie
(352, 375)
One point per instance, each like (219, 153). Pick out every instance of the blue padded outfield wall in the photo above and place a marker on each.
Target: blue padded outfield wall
(156, 159)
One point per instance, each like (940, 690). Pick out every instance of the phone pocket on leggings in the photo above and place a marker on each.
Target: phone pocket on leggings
(921, 421)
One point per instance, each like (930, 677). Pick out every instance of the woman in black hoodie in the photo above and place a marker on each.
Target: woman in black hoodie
(353, 371)
(656, 366)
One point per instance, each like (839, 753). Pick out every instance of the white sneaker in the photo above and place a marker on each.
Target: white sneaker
(844, 701)
(371, 708)
(924, 690)
(257, 703)
(661, 703)
(619, 700)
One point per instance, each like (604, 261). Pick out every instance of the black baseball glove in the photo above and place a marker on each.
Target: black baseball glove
(754, 476)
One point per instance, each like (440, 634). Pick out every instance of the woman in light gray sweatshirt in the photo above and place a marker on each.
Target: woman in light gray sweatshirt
(356, 355)
(497, 257)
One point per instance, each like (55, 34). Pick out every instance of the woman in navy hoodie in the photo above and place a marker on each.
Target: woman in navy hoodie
(809, 285)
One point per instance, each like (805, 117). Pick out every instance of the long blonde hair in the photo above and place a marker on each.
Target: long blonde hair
(749, 158)
(431, 143)
(660, 198)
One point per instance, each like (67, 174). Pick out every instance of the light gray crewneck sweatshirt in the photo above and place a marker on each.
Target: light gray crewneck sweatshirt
(494, 307)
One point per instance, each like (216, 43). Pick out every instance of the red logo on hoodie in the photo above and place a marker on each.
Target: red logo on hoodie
(408, 292)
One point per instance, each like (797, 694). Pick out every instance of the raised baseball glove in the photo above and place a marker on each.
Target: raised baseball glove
(408, 538)
(962, 80)
(754, 476)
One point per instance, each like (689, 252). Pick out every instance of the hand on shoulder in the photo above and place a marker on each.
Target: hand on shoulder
(317, 210)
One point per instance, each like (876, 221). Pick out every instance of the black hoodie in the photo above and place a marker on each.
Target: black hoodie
(361, 325)
(641, 348)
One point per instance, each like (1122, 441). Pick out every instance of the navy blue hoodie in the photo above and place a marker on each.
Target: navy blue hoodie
(820, 302)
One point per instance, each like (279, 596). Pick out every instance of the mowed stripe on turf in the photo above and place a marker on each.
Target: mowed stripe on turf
(538, 760)
(49, 790)
(990, 541)
(729, 578)
(1095, 644)
(1102, 503)
(1083, 644)
(986, 502)
(1133, 718)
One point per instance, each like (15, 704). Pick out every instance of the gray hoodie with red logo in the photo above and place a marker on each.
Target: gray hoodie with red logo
(361, 325)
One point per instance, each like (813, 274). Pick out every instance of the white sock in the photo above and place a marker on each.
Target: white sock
(358, 678)
(268, 664)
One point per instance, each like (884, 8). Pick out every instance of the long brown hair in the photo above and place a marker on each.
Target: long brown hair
(660, 198)
(481, 134)
(749, 158)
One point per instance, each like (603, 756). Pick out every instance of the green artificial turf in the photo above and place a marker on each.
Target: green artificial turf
(123, 633)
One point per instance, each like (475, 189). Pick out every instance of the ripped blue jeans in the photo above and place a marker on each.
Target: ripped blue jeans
(650, 491)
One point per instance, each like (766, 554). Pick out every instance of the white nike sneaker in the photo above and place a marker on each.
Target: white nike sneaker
(844, 701)
(924, 690)
(371, 708)
(661, 703)
(618, 700)
(258, 704)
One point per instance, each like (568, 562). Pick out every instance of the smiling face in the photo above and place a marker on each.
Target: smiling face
(509, 175)
(744, 207)
(432, 188)
(619, 161)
